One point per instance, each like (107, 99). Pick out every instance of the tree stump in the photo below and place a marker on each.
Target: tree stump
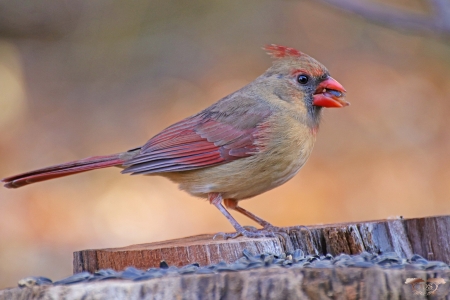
(428, 237)
(202, 249)
(263, 283)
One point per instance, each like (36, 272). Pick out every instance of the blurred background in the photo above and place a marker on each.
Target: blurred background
(81, 78)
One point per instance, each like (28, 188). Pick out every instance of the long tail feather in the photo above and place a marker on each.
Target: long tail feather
(78, 166)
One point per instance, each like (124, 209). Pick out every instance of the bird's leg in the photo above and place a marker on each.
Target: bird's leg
(216, 200)
(233, 204)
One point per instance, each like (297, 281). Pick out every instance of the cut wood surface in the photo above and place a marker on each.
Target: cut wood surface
(428, 237)
(263, 283)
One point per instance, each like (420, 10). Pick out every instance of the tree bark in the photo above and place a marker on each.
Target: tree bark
(428, 237)
(263, 283)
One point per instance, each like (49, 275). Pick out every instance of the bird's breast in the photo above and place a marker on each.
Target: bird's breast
(289, 152)
(287, 147)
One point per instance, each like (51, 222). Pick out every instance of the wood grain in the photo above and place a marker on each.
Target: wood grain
(202, 249)
(263, 283)
(428, 237)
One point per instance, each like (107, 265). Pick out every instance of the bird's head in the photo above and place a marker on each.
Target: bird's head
(301, 77)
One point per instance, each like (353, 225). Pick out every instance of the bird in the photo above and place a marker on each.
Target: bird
(251, 141)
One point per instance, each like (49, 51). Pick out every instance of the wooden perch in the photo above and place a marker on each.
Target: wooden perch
(428, 237)
(263, 283)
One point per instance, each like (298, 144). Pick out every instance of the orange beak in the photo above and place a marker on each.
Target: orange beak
(330, 93)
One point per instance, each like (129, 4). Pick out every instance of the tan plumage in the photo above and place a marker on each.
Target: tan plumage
(247, 143)
(285, 142)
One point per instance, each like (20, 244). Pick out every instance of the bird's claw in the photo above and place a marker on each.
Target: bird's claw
(299, 228)
(269, 228)
(258, 233)
(272, 228)
(267, 231)
(250, 228)
(226, 236)
(287, 230)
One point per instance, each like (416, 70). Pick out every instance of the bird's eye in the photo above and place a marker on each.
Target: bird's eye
(302, 79)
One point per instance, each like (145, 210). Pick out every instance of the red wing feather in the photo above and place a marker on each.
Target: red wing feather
(197, 142)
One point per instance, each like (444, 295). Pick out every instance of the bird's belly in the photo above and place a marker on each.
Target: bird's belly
(246, 177)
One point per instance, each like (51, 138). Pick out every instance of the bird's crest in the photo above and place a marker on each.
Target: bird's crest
(277, 51)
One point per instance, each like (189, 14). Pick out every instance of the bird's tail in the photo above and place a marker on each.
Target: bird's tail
(74, 167)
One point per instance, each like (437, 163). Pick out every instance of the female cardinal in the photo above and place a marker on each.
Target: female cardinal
(249, 142)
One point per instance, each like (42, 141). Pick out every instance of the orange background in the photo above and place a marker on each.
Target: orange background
(85, 78)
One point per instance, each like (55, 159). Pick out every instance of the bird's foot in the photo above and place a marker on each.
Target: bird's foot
(295, 228)
(276, 229)
(252, 233)
(267, 231)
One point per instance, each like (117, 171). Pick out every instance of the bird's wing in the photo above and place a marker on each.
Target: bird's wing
(207, 139)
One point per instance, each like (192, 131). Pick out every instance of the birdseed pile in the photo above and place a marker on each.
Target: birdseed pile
(296, 259)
